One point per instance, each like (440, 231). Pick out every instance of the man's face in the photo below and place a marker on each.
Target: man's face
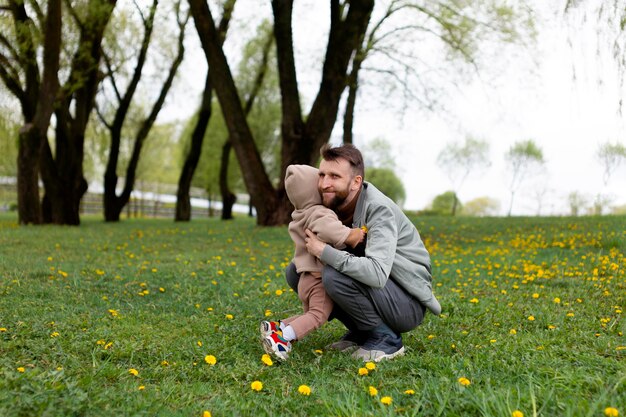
(337, 183)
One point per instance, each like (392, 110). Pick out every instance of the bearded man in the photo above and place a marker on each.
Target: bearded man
(381, 288)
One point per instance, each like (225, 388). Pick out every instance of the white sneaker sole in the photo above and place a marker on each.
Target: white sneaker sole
(376, 355)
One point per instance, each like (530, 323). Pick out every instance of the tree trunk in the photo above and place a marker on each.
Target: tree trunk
(28, 203)
(228, 198)
(62, 173)
(183, 200)
(37, 100)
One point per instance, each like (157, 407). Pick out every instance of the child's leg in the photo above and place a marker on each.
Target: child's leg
(318, 306)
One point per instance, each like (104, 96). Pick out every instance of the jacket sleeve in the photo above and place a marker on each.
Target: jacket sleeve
(325, 224)
(374, 268)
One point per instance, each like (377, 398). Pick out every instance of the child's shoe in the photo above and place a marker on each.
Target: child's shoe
(274, 345)
(268, 327)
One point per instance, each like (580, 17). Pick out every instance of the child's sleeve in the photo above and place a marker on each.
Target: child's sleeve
(325, 224)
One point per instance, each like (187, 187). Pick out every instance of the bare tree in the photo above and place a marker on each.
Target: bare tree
(114, 203)
(459, 161)
(524, 158)
(183, 200)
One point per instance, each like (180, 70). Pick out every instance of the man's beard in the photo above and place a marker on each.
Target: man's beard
(338, 199)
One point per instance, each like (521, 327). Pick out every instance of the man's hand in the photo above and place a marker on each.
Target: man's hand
(313, 245)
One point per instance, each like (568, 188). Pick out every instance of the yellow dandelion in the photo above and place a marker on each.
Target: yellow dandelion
(161, 289)
(206, 413)
(386, 400)
(318, 351)
(512, 331)
(54, 334)
(363, 371)
(304, 390)
(364, 228)
(557, 300)
(535, 296)
(464, 381)
(141, 387)
(266, 359)
(256, 386)
(3, 329)
(230, 316)
(517, 413)
(268, 313)
(279, 292)
(474, 300)
(370, 366)
(21, 369)
(531, 318)
(165, 363)
(611, 412)
(133, 372)
(372, 391)
(570, 314)
(409, 392)
(210, 359)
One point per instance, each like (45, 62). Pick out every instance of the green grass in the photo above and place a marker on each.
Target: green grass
(81, 306)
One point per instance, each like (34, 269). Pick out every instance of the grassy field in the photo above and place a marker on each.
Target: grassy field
(156, 318)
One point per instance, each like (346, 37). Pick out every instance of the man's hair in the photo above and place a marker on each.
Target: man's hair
(348, 152)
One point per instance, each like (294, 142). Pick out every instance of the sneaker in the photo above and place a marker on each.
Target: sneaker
(381, 345)
(274, 345)
(349, 341)
(268, 327)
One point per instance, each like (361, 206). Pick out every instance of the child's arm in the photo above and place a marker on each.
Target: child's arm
(355, 237)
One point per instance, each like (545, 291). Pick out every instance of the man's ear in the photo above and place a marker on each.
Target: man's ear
(356, 182)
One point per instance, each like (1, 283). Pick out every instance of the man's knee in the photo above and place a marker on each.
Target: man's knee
(333, 281)
(292, 277)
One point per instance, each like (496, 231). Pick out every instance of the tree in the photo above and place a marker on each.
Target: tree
(481, 206)
(388, 182)
(459, 161)
(387, 52)
(611, 156)
(301, 137)
(576, 202)
(445, 203)
(114, 203)
(35, 88)
(524, 158)
(183, 200)
(62, 169)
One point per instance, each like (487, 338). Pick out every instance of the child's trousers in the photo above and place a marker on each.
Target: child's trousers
(316, 303)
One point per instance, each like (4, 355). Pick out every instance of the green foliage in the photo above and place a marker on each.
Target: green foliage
(388, 182)
(8, 147)
(533, 318)
(524, 158)
(444, 204)
(481, 206)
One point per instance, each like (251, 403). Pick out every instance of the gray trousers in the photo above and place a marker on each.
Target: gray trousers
(361, 307)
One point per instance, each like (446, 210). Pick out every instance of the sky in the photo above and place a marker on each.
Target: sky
(559, 92)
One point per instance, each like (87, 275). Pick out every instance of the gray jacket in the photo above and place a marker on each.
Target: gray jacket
(394, 249)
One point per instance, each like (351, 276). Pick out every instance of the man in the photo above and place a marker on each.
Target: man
(386, 291)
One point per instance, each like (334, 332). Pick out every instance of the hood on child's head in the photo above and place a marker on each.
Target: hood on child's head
(301, 186)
